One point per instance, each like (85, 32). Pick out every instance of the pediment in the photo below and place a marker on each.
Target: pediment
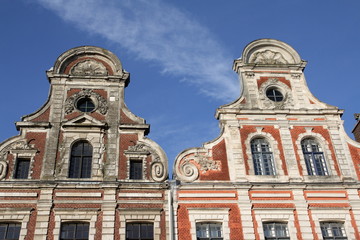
(84, 121)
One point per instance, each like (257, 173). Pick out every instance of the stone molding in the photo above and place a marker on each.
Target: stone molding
(101, 105)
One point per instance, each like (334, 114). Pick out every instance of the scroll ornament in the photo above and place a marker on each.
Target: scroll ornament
(189, 172)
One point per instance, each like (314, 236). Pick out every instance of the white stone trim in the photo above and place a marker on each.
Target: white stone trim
(79, 194)
(141, 195)
(96, 141)
(325, 195)
(14, 215)
(324, 146)
(18, 194)
(219, 215)
(207, 195)
(75, 215)
(146, 215)
(274, 147)
(275, 215)
(271, 195)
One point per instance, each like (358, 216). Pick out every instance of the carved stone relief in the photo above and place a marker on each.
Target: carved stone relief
(268, 57)
(99, 101)
(23, 146)
(188, 170)
(89, 68)
(157, 168)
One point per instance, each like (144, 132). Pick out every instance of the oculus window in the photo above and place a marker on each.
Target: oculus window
(85, 105)
(262, 157)
(276, 230)
(80, 160)
(274, 95)
(209, 231)
(314, 157)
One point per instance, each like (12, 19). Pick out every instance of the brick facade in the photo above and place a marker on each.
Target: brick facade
(282, 159)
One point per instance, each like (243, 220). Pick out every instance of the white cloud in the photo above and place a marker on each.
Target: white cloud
(158, 32)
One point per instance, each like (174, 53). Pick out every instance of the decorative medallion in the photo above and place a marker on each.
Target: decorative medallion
(274, 83)
(268, 57)
(89, 68)
(99, 101)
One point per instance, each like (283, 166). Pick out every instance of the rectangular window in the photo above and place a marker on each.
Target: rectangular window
(74, 231)
(10, 231)
(22, 168)
(333, 230)
(209, 231)
(276, 230)
(136, 169)
(139, 231)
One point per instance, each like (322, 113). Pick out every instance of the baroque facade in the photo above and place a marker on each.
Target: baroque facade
(83, 168)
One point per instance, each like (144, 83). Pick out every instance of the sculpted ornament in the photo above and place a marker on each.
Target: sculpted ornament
(89, 68)
(189, 172)
(100, 102)
(268, 57)
(267, 103)
(157, 168)
(19, 145)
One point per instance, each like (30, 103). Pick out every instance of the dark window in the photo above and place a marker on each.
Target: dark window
(74, 231)
(314, 158)
(85, 105)
(10, 231)
(136, 169)
(80, 160)
(276, 230)
(333, 230)
(139, 231)
(274, 95)
(22, 168)
(209, 231)
(262, 157)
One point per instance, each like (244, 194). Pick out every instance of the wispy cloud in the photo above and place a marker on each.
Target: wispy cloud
(158, 32)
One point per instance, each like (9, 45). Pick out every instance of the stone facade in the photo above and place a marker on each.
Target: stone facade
(282, 164)
(279, 181)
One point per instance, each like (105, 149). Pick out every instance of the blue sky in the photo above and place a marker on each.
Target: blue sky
(179, 54)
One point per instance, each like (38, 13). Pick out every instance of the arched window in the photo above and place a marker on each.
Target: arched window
(74, 231)
(80, 160)
(10, 230)
(276, 230)
(262, 157)
(209, 231)
(314, 157)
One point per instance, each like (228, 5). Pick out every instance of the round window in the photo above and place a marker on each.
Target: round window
(85, 105)
(274, 95)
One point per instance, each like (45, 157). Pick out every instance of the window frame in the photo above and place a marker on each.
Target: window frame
(315, 161)
(209, 231)
(140, 233)
(18, 229)
(22, 175)
(331, 226)
(75, 232)
(136, 169)
(276, 224)
(81, 171)
(263, 157)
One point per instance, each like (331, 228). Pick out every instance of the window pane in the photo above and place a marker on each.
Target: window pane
(74, 231)
(314, 158)
(209, 231)
(333, 230)
(136, 169)
(22, 168)
(262, 157)
(10, 230)
(276, 230)
(139, 231)
(81, 160)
